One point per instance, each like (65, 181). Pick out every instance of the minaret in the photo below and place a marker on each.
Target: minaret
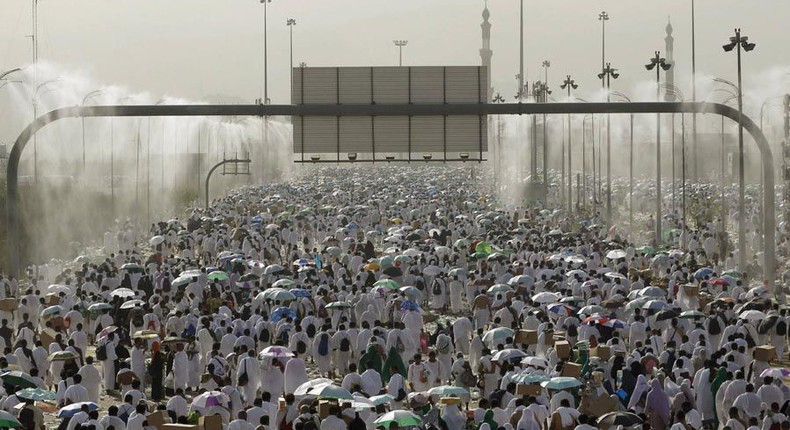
(485, 51)
(670, 42)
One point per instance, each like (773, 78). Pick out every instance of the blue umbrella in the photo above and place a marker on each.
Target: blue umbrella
(409, 305)
(300, 292)
(561, 383)
(701, 273)
(72, 409)
(282, 312)
(257, 219)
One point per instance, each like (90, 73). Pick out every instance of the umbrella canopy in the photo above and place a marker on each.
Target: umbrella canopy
(507, 355)
(74, 408)
(393, 271)
(131, 304)
(278, 294)
(432, 270)
(172, 340)
(545, 297)
(592, 310)
(498, 335)
(387, 283)
(133, 268)
(775, 372)
(449, 390)
(218, 276)
(655, 304)
(156, 240)
(300, 292)
(308, 387)
(381, 399)
(209, 399)
(146, 334)
(400, 418)
(62, 356)
(499, 288)
(273, 269)
(36, 394)
(15, 378)
(50, 311)
(124, 293)
(666, 314)
(701, 273)
(275, 352)
(524, 280)
(615, 254)
(96, 307)
(411, 292)
(536, 362)
(619, 418)
(752, 315)
(282, 312)
(280, 283)
(332, 391)
(561, 383)
(692, 314)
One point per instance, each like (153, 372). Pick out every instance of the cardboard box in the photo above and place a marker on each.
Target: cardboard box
(528, 390)
(572, 370)
(212, 422)
(58, 323)
(9, 305)
(51, 299)
(158, 419)
(691, 290)
(548, 337)
(765, 352)
(47, 336)
(180, 427)
(597, 406)
(563, 349)
(323, 408)
(602, 352)
(526, 337)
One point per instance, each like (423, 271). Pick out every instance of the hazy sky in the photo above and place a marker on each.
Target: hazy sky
(194, 48)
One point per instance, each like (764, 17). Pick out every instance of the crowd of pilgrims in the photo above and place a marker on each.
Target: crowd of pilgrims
(386, 298)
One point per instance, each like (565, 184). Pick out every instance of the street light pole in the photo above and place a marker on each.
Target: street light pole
(695, 174)
(400, 44)
(603, 17)
(740, 42)
(498, 99)
(265, 53)
(659, 64)
(570, 84)
(607, 74)
(291, 22)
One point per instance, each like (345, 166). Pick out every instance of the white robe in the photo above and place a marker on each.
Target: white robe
(295, 375)
(91, 379)
(180, 370)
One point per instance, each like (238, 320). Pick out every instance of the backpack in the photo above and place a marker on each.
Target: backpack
(284, 337)
(420, 285)
(572, 330)
(265, 335)
(781, 330)
(310, 330)
(437, 288)
(714, 327)
(301, 347)
(399, 346)
(101, 352)
(345, 344)
(323, 345)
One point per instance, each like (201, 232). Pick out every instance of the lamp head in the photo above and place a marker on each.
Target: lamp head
(601, 75)
(615, 75)
(564, 85)
(650, 66)
(666, 66)
(574, 86)
(747, 46)
(729, 47)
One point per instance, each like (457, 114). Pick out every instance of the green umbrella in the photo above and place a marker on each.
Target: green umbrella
(647, 250)
(388, 283)
(332, 391)
(8, 421)
(561, 383)
(217, 276)
(283, 283)
(400, 417)
(734, 273)
(483, 248)
(133, 268)
(449, 390)
(18, 379)
(36, 394)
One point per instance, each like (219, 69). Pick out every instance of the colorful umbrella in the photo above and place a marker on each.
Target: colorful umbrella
(400, 417)
(275, 352)
(218, 276)
(74, 408)
(36, 394)
(209, 399)
(388, 283)
(282, 312)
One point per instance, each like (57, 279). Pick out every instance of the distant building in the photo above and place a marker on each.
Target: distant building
(485, 51)
(669, 43)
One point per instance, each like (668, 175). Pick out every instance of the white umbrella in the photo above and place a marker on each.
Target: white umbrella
(310, 385)
(615, 254)
(275, 352)
(123, 292)
(156, 240)
(752, 315)
(545, 297)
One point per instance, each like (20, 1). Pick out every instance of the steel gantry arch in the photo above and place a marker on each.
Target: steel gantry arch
(334, 110)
